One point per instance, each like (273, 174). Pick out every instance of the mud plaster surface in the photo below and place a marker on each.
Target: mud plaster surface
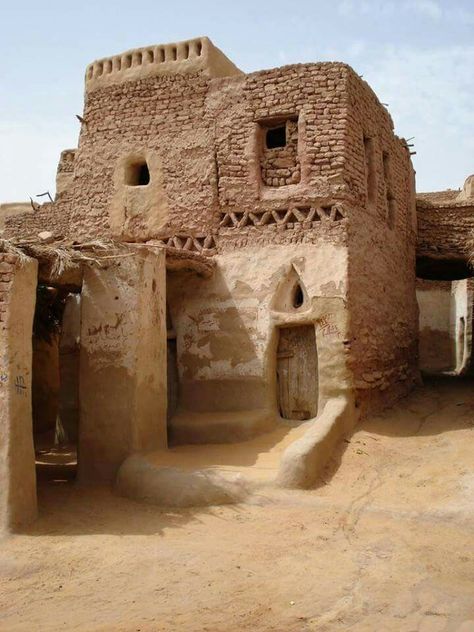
(384, 544)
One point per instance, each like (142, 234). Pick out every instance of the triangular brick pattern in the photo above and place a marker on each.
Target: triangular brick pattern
(297, 216)
(204, 244)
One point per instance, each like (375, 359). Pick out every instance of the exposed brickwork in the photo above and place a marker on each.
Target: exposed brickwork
(7, 269)
(280, 165)
(66, 161)
(384, 315)
(445, 231)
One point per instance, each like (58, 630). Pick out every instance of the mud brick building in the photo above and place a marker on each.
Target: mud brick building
(273, 277)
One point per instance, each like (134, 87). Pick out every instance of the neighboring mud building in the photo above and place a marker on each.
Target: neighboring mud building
(272, 272)
(445, 285)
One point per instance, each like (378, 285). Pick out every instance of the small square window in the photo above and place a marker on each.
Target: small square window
(276, 137)
(137, 174)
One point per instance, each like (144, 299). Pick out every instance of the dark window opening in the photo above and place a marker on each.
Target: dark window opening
(276, 137)
(137, 174)
(371, 184)
(298, 296)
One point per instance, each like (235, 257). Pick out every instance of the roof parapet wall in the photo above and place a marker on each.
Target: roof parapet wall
(188, 57)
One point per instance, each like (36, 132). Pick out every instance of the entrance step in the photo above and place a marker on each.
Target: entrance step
(219, 427)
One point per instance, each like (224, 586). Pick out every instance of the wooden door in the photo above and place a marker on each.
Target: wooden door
(297, 372)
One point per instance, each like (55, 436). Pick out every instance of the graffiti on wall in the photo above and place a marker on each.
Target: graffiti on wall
(20, 386)
(327, 325)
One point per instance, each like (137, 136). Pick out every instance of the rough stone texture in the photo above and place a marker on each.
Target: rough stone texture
(17, 459)
(381, 245)
(446, 222)
(65, 172)
(122, 364)
(14, 209)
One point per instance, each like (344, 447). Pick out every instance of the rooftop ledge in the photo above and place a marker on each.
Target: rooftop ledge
(191, 56)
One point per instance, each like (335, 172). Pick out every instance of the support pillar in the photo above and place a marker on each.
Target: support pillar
(18, 283)
(122, 383)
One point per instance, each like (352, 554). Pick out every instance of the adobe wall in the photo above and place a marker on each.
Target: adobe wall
(446, 222)
(437, 351)
(445, 341)
(382, 237)
(444, 231)
(202, 139)
(122, 379)
(226, 325)
(17, 456)
(217, 185)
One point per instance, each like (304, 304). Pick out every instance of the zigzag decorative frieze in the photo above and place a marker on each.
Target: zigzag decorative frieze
(204, 245)
(305, 216)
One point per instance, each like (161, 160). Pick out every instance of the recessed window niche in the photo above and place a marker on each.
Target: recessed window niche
(298, 296)
(137, 174)
(276, 137)
(279, 162)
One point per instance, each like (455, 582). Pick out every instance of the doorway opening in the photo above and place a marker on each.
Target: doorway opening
(461, 343)
(445, 326)
(172, 367)
(55, 383)
(297, 372)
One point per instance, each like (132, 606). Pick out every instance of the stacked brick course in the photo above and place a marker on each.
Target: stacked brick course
(7, 269)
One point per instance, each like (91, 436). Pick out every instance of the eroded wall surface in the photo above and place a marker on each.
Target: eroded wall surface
(445, 325)
(382, 237)
(122, 377)
(226, 326)
(17, 457)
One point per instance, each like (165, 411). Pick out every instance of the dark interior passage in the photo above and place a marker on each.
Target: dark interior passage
(55, 382)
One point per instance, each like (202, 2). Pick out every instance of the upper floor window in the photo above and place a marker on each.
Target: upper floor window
(137, 174)
(389, 195)
(276, 137)
(279, 160)
(370, 171)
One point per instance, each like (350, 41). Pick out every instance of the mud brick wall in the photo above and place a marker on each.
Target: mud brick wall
(314, 95)
(66, 161)
(206, 138)
(7, 268)
(381, 296)
(163, 114)
(445, 231)
(280, 165)
(53, 217)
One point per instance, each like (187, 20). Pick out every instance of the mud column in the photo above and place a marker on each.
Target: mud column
(17, 456)
(122, 375)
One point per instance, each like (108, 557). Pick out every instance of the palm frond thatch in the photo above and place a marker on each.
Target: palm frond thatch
(61, 256)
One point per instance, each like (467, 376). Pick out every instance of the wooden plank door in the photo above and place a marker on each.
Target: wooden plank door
(297, 372)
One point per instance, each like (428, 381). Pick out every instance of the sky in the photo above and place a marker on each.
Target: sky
(418, 56)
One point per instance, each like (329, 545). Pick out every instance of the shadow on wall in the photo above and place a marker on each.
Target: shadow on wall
(220, 367)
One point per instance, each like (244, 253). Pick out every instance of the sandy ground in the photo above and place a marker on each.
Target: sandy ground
(384, 543)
